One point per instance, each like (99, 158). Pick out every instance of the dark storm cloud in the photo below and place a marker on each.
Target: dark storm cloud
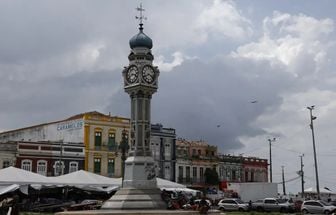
(24, 103)
(35, 31)
(196, 97)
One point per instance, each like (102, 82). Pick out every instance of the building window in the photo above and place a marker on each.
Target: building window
(188, 173)
(199, 152)
(97, 165)
(42, 167)
(234, 177)
(221, 172)
(58, 168)
(73, 166)
(110, 167)
(194, 152)
(26, 165)
(98, 139)
(180, 173)
(194, 173)
(6, 164)
(111, 142)
(201, 174)
(167, 172)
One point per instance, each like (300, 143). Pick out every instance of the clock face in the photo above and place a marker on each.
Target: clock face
(132, 74)
(148, 74)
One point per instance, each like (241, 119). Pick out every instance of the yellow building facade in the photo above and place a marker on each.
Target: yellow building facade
(102, 136)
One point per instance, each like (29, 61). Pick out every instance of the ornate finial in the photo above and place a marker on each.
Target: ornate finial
(141, 17)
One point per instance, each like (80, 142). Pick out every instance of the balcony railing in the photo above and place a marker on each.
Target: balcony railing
(112, 148)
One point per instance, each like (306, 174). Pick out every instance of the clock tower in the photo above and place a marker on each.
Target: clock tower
(139, 187)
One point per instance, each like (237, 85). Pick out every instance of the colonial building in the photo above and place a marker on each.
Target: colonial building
(163, 146)
(255, 169)
(7, 154)
(192, 159)
(99, 133)
(241, 169)
(230, 168)
(50, 158)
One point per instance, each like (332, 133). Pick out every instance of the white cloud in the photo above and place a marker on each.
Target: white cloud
(178, 59)
(88, 55)
(222, 18)
(289, 123)
(291, 40)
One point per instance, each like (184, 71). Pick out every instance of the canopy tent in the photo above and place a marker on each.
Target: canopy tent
(84, 178)
(12, 175)
(163, 183)
(8, 188)
(80, 179)
(184, 190)
(322, 190)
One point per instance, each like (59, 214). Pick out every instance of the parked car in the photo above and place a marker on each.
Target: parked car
(232, 205)
(317, 207)
(273, 204)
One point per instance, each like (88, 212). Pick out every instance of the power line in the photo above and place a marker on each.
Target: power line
(294, 151)
(289, 180)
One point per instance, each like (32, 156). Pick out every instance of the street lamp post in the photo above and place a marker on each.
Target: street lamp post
(270, 154)
(312, 118)
(123, 146)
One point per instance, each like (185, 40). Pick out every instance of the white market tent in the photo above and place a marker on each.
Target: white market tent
(163, 183)
(12, 175)
(81, 179)
(84, 178)
(8, 188)
(322, 190)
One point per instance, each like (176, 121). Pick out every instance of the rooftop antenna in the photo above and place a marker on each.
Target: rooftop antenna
(141, 17)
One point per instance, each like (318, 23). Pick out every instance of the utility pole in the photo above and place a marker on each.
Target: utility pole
(283, 181)
(270, 156)
(311, 108)
(302, 176)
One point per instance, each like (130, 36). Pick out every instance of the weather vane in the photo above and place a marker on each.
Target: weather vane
(141, 17)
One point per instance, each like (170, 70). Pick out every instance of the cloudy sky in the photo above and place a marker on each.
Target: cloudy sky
(60, 58)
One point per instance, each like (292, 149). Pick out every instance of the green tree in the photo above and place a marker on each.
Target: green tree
(211, 176)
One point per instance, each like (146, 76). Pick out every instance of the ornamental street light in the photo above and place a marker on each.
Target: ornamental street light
(123, 146)
(311, 108)
(270, 156)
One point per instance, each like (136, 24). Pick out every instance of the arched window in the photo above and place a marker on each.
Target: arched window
(26, 165)
(58, 168)
(42, 167)
(73, 166)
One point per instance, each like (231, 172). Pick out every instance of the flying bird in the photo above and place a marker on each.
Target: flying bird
(218, 126)
(255, 101)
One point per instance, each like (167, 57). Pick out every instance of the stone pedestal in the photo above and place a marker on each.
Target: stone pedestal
(135, 199)
(139, 189)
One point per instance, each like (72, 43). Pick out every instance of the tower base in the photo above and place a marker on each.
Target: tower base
(133, 199)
